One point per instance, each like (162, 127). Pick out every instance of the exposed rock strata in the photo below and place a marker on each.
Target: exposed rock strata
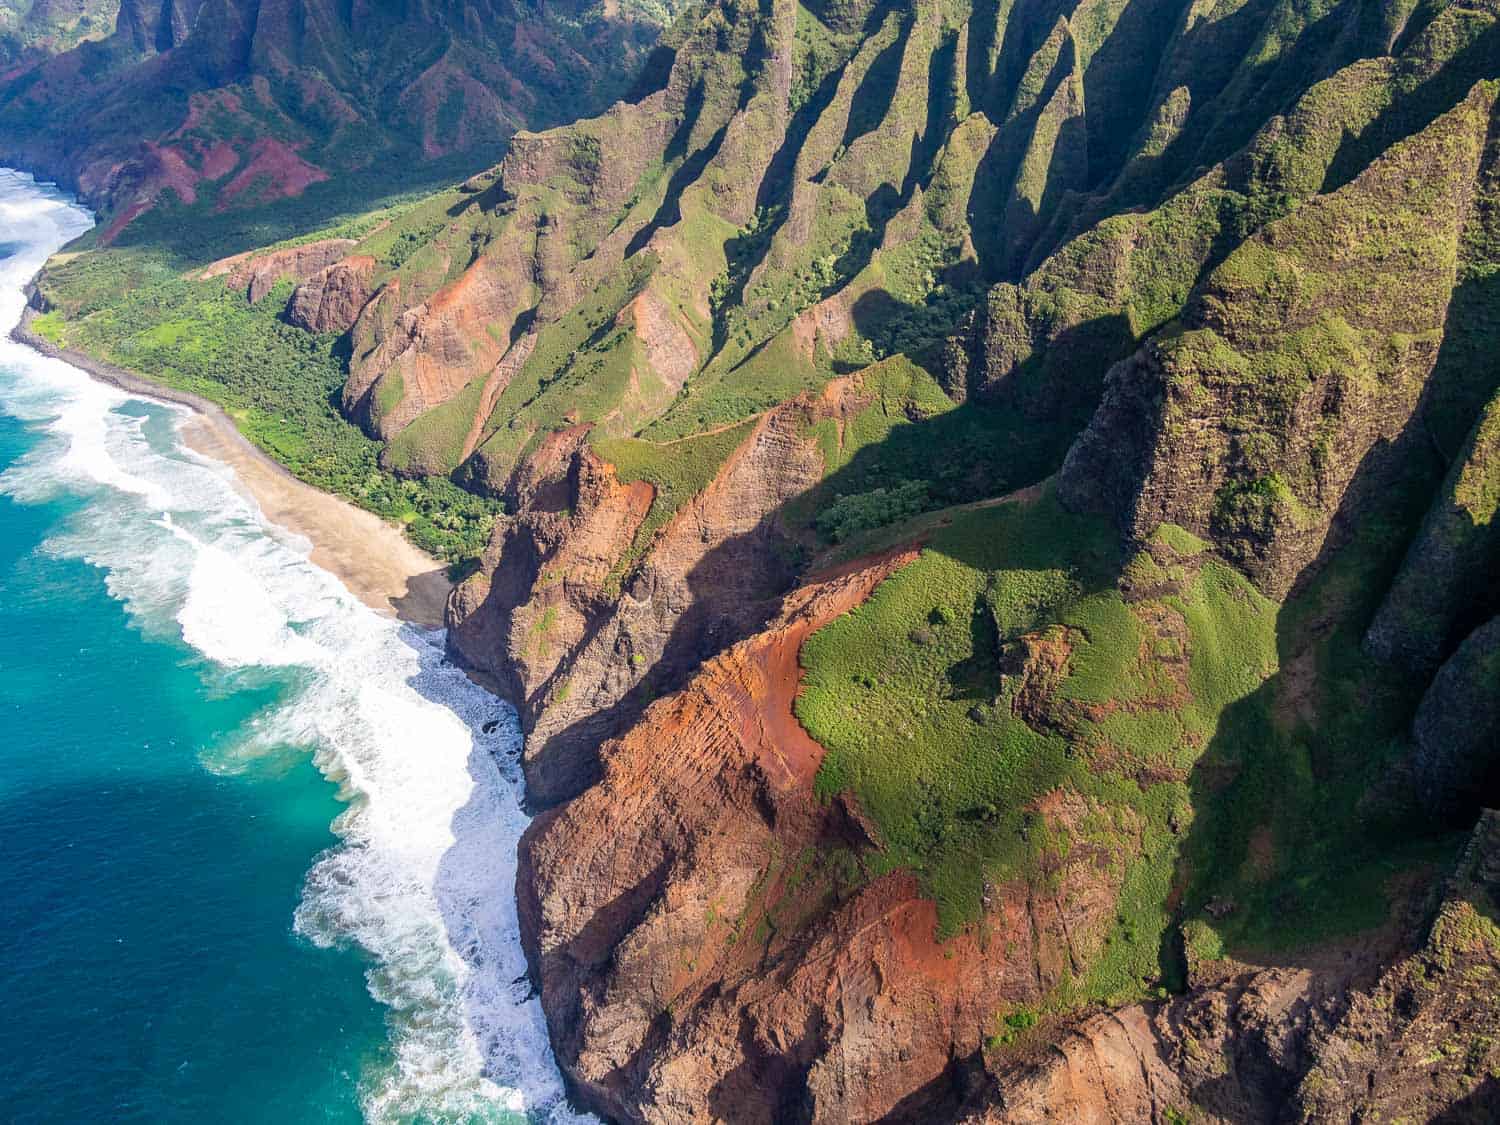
(579, 654)
(1447, 580)
(255, 274)
(702, 955)
(331, 299)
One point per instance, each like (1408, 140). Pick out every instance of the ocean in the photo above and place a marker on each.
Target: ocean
(259, 841)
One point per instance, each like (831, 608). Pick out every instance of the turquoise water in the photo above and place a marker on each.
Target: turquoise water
(259, 842)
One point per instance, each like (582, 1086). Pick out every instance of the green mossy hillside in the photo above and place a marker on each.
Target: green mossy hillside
(1003, 665)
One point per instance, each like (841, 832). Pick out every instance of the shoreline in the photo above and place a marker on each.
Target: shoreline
(372, 558)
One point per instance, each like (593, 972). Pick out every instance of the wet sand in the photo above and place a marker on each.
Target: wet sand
(374, 559)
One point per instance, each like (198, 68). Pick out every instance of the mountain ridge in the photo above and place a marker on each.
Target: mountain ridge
(1033, 466)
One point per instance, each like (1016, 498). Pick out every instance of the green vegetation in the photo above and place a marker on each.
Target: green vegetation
(578, 372)
(1295, 827)
(879, 462)
(28, 29)
(866, 511)
(277, 383)
(1011, 1027)
(967, 689)
(676, 472)
(350, 205)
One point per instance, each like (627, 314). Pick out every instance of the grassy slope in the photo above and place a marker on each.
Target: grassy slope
(914, 695)
(1253, 781)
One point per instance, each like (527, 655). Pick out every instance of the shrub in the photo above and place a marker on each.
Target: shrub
(879, 507)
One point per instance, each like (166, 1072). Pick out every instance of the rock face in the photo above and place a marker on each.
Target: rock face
(580, 654)
(708, 945)
(1302, 363)
(256, 274)
(1231, 1051)
(708, 930)
(1415, 1041)
(1422, 1044)
(331, 299)
(1457, 727)
(1446, 581)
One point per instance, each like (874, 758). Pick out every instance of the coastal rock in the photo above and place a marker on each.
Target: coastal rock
(582, 637)
(696, 956)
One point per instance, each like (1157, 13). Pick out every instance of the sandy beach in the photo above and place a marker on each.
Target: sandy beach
(374, 559)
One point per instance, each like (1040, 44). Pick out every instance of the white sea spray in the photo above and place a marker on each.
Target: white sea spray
(423, 878)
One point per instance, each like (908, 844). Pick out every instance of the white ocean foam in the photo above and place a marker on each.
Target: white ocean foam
(424, 876)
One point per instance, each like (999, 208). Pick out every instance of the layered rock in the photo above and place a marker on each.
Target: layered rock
(1446, 581)
(708, 940)
(255, 274)
(580, 636)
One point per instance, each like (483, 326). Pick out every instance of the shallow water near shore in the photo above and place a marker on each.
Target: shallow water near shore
(260, 840)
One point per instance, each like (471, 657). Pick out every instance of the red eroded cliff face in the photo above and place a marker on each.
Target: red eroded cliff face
(579, 636)
(711, 943)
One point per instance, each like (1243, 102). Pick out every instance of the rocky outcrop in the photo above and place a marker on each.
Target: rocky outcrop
(255, 274)
(1378, 1035)
(430, 352)
(709, 942)
(331, 299)
(581, 636)
(1232, 1050)
(1301, 364)
(1457, 728)
(1424, 1043)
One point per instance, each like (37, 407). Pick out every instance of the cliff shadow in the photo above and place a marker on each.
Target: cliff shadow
(734, 590)
(1306, 830)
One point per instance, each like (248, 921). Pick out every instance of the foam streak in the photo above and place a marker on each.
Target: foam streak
(423, 878)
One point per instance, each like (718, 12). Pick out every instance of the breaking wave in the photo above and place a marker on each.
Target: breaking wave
(423, 877)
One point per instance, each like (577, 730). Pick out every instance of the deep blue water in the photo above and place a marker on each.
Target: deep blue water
(148, 962)
(259, 853)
